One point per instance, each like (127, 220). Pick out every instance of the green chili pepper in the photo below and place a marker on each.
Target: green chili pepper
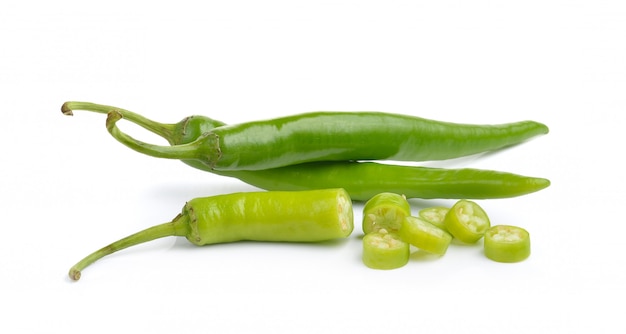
(306, 216)
(383, 250)
(425, 235)
(467, 221)
(385, 211)
(505, 243)
(362, 180)
(339, 136)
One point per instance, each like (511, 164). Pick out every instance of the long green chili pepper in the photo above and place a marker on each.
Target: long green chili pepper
(300, 216)
(362, 180)
(342, 136)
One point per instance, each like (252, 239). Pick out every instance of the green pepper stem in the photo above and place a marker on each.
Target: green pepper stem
(183, 151)
(164, 130)
(177, 227)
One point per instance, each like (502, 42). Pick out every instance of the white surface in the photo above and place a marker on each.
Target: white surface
(68, 188)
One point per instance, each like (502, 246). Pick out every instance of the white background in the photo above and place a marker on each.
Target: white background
(68, 188)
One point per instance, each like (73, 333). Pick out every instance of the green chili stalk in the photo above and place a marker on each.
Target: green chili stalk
(164, 130)
(173, 228)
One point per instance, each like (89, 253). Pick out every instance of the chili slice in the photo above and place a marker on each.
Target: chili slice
(385, 211)
(467, 221)
(505, 243)
(425, 235)
(383, 250)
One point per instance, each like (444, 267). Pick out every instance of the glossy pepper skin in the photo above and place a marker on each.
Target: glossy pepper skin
(304, 216)
(362, 180)
(344, 136)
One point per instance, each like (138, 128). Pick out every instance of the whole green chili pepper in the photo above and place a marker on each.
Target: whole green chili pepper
(301, 216)
(341, 136)
(362, 180)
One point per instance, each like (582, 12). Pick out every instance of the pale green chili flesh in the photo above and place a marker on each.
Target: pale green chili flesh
(506, 243)
(385, 211)
(383, 250)
(467, 221)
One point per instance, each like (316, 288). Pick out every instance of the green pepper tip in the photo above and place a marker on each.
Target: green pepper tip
(541, 183)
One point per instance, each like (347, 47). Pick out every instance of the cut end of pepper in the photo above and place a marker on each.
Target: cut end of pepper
(66, 110)
(344, 208)
(74, 274)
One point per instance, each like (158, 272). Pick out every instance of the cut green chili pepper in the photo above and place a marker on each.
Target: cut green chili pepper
(467, 221)
(425, 235)
(385, 211)
(337, 136)
(383, 250)
(505, 243)
(435, 215)
(306, 216)
(362, 180)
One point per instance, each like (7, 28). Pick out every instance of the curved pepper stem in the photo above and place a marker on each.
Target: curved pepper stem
(189, 151)
(177, 227)
(166, 131)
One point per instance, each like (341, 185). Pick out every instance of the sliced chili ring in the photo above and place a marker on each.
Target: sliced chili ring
(467, 221)
(506, 243)
(385, 211)
(382, 250)
(425, 235)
